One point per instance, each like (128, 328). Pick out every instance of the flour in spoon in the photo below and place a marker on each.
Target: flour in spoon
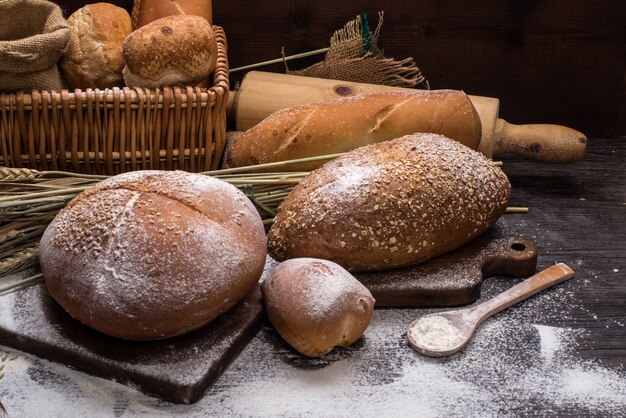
(435, 332)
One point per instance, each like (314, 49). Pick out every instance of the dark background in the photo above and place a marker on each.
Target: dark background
(548, 61)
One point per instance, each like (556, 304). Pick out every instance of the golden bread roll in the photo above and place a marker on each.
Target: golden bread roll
(146, 11)
(171, 51)
(391, 204)
(342, 125)
(316, 305)
(94, 55)
(153, 254)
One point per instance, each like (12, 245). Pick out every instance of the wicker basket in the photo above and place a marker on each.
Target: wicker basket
(117, 130)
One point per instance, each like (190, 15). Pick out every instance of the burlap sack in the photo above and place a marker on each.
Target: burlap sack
(33, 36)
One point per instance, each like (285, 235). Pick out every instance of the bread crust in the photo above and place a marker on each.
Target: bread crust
(171, 51)
(390, 205)
(94, 55)
(149, 254)
(342, 125)
(146, 11)
(316, 305)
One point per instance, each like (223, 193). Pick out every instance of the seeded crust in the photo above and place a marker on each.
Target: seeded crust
(391, 204)
(342, 125)
(171, 51)
(150, 254)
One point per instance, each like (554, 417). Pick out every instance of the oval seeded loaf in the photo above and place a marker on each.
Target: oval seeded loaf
(342, 125)
(391, 204)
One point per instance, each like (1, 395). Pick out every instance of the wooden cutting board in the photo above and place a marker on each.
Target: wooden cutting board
(455, 278)
(182, 369)
(261, 93)
(178, 369)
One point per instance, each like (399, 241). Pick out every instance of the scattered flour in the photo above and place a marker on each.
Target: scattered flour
(379, 376)
(550, 339)
(515, 365)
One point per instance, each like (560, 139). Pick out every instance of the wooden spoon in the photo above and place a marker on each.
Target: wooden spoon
(444, 333)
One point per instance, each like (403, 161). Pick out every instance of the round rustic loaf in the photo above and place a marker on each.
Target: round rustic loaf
(153, 254)
(316, 305)
(94, 55)
(171, 51)
(391, 204)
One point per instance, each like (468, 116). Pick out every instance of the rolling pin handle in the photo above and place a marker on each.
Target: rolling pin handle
(541, 142)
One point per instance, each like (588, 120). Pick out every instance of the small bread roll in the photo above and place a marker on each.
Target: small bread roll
(94, 55)
(391, 204)
(153, 254)
(316, 305)
(171, 51)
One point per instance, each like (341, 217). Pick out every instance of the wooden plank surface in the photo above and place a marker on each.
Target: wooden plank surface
(548, 61)
(560, 353)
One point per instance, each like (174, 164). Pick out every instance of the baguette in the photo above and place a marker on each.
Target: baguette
(345, 124)
(390, 205)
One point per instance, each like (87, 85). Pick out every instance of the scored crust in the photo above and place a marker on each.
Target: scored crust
(342, 125)
(149, 254)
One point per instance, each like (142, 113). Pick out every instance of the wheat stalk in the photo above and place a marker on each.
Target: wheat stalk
(6, 288)
(18, 174)
(19, 259)
(30, 199)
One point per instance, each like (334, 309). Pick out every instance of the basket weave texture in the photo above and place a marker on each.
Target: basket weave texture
(117, 130)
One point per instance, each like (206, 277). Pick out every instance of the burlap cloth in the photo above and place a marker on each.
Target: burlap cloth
(354, 56)
(33, 36)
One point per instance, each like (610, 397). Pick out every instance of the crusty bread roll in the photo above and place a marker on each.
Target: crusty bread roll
(345, 124)
(316, 305)
(152, 254)
(94, 55)
(391, 204)
(146, 11)
(171, 51)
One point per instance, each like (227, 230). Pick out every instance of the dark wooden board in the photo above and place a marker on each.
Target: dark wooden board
(179, 369)
(455, 278)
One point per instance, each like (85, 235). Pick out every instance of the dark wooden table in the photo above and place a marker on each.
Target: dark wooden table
(559, 353)
(578, 213)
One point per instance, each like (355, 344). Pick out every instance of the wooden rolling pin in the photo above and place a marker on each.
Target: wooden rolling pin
(261, 93)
